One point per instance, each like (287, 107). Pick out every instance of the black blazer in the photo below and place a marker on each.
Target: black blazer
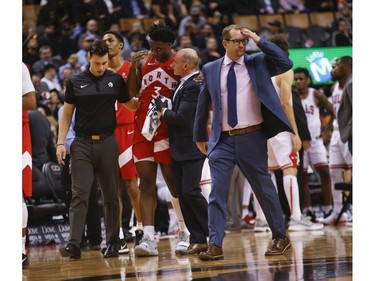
(180, 120)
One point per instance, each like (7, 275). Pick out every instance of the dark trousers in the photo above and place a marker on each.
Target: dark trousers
(193, 204)
(91, 159)
(249, 152)
(93, 233)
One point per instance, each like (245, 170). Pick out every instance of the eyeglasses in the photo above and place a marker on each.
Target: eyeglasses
(238, 41)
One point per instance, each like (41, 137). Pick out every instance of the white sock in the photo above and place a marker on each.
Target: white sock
(121, 234)
(180, 218)
(292, 194)
(246, 198)
(24, 245)
(139, 225)
(258, 210)
(149, 230)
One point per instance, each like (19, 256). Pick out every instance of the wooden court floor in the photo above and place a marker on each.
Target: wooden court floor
(318, 255)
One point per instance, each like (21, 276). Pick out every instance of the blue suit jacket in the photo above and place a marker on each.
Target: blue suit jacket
(261, 67)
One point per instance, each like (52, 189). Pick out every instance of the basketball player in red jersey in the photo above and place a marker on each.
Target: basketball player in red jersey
(152, 74)
(124, 134)
(28, 103)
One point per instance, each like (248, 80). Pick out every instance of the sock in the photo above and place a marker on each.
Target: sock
(139, 225)
(24, 245)
(336, 177)
(121, 234)
(246, 193)
(258, 210)
(180, 218)
(292, 194)
(149, 230)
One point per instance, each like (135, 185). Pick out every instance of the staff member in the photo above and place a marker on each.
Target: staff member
(187, 160)
(93, 94)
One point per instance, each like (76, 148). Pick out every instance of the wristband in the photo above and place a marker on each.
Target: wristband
(59, 144)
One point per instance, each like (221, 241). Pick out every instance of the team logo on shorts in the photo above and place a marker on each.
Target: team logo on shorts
(110, 84)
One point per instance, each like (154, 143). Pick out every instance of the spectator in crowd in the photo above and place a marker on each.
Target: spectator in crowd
(45, 57)
(163, 9)
(50, 79)
(195, 16)
(72, 63)
(83, 52)
(342, 36)
(134, 9)
(30, 55)
(210, 53)
(92, 31)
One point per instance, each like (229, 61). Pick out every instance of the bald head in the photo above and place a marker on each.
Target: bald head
(186, 61)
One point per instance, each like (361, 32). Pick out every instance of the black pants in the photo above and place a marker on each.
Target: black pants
(93, 231)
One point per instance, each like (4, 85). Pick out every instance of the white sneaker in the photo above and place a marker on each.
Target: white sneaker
(331, 219)
(146, 247)
(183, 242)
(303, 224)
(261, 226)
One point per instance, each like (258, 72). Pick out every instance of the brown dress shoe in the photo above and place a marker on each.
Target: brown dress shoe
(213, 253)
(196, 248)
(278, 247)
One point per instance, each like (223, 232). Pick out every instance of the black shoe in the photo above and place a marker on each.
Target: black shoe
(311, 215)
(25, 261)
(138, 236)
(123, 247)
(110, 251)
(71, 250)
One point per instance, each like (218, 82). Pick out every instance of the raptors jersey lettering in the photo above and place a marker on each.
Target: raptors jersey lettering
(336, 100)
(157, 78)
(312, 114)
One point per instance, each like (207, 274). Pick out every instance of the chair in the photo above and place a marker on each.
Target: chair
(250, 21)
(297, 20)
(264, 19)
(323, 19)
(47, 197)
(346, 189)
(126, 24)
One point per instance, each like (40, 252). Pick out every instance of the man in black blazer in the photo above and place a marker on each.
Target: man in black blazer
(187, 160)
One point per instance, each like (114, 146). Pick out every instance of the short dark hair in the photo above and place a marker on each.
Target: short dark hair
(162, 33)
(303, 70)
(49, 66)
(347, 60)
(98, 47)
(115, 33)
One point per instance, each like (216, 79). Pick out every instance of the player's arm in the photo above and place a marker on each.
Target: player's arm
(285, 81)
(134, 79)
(322, 100)
(29, 101)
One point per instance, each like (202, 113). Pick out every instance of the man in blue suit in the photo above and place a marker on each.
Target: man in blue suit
(258, 116)
(187, 160)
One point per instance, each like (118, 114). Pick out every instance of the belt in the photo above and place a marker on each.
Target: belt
(94, 137)
(236, 132)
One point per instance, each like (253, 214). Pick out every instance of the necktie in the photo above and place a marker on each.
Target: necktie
(232, 96)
